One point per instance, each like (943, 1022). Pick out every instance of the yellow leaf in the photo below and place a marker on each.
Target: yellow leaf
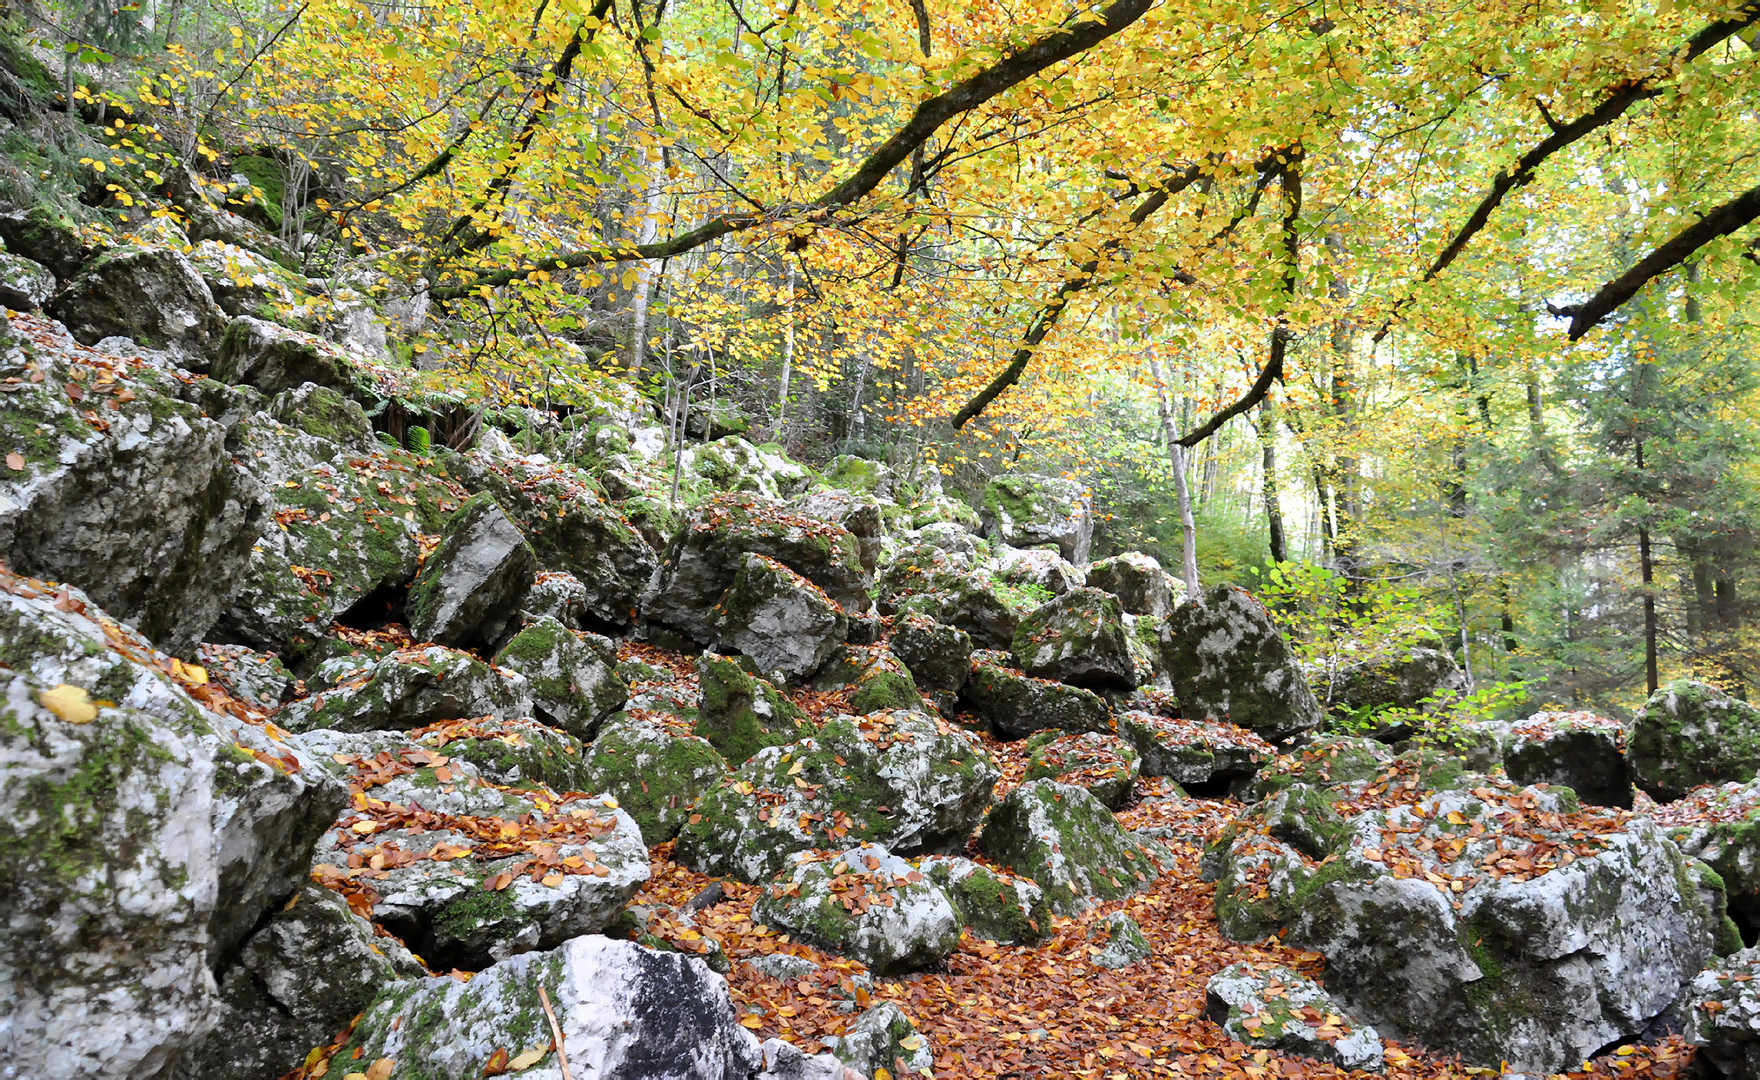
(528, 1059)
(365, 827)
(379, 1070)
(798, 766)
(1454, 818)
(70, 703)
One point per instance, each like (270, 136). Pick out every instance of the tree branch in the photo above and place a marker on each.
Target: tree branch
(1720, 222)
(1053, 48)
(1611, 108)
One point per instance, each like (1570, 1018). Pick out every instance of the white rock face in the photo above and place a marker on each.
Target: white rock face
(901, 921)
(1263, 1008)
(624, 1011)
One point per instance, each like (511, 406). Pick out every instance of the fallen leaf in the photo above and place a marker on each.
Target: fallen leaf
(70, 703)
(15, 461)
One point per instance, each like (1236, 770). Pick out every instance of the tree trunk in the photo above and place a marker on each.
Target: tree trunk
(787, 352)
(1273, 508)
(645, 272)
(1187, 526)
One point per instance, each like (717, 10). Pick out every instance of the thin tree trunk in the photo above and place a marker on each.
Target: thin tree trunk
(1273, 507)
(1190, 528)
(637, 347)
(787, 351)
(1647, 572)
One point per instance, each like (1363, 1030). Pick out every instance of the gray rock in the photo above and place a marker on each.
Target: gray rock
(849, 473)
(922, 580)
(145, 840)
(24, 285)
(657, 773)
(469, 591)
(145, 511)
(1138, 581)
(732, 464)
(346, 517)
(708, 552)
(883, 1037)
(572, 675)
(243, 281)
(1062, 838)
(1485, 922)
(409, 688)
(740, 713)
(459, 909)
(1691, 733)
(560, 596)
(573, 530)
(1017, 705)
(1105, 765)
(514, 753)
(149, 295)
(1036, 568)
(908, 781)
(1721, 1010)
(624, 1010)
(1229, 662)
(1720, 826)
(939, 657)
(1404, 680)
(992, 904)
(1026, 510)
(1264, 1007)
(780, 620)
(1582, 751)
(297, 982)
(260, 680)
(896, 919)
(1194, 752)
(45, 236)
(877, 680)
(273, 358)
(1078, 638)
(1121, 941)
(861, 515)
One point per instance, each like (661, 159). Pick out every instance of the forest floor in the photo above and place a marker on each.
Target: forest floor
(1005, 1011)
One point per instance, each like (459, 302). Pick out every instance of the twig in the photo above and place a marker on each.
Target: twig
(555, 1031)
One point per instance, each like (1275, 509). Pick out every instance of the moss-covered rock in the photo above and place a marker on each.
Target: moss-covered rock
(571, 675)
(260, 680)
(994, 905)
(1118, 942)
(906, 780)
(1138, 581)
(410, 688)
(1279, 1009)
(878, 682)
(883, 1037)
(702, 561)
(778, 619)
(1721, 1014)
(1582, 751)
(735, 465)
(1027, 510)
(1078, 638)
(864, 903)
(1500, 923)
(1067, 842)
(469, 591)
(739, 713)
(1691, 733)
(1229, 662)
(152, 296)
(850, 473)
(922, 580)
(656, 774)
(1018, 705)
(1103, 764)
(939, 656)
(1721, 826)
(1194, 752)
(274, 358)
(514, 753)
(1338, 760)
(1403, 679)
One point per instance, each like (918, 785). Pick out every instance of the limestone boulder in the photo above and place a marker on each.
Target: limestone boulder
(1078, 638)
(1105, 765)
(1691, 733)
(1139, 582)
(1016, 705)
(572, 675)
(469, 591)
(1203, 754)
(1027, 510)
(1229, 662)
(657, 772)
(898, 921)
(739, 713)
(1278, 1009)
(152, 296)
(1068, 843)
(778, 619)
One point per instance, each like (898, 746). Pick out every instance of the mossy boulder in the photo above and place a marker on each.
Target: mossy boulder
(1691, 733)
(571, 675)
(151, 296)
(1275, 1008)
(469, 591)
(24, 285)
(344, 537)
(1103, 764)
(939, 656)
(732, 464)
(1402, 679)
(1721, 1015)
(778, 619)
(1580, 750)
(1067, 842)
(850, 473)
(1229, 662)
(862, 515)
(1027, 510)
(1017, 705)
(1078, 638)
(628, 1009)
(144, 838)
(906, 780)
(47, 236)
(739, 713)
(877, 680)
(572, 530)
(1721, 827)
(146, 509)
(1194, 753)
(993, 904)
(1039, 571)
(923, 580)
(1118, 942)
(883, 1037)
(656, 772)
(298, 981)
(1338, 760)
(864, 903)
(411, 688)
(260, 680)
(1139, 582)
(1504, 924)
(703, 560)
(512, 753)
(274, 358)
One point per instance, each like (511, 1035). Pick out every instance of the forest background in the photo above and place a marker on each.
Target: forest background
(1439, 312)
